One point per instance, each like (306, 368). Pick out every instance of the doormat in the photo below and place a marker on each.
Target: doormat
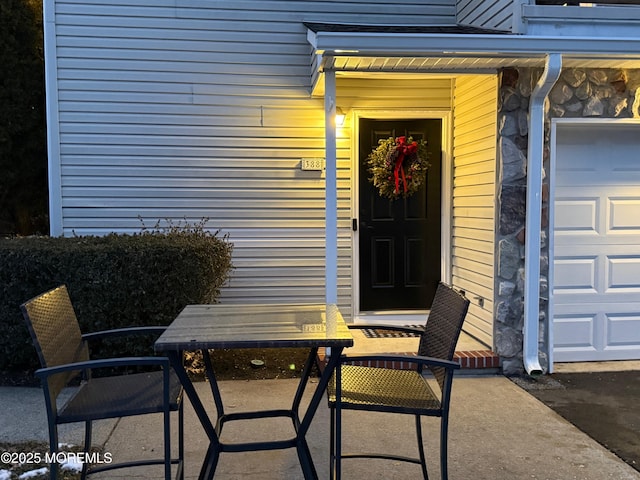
(373, 332)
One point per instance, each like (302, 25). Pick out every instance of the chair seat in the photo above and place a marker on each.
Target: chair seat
(120, 396)
(387, 390)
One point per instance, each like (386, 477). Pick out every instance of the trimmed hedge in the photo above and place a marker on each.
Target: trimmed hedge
(114, 281)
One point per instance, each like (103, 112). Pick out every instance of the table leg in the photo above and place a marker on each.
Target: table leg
(213, 382)
(302, 427)
(306, 373)
(210, 463)
(213, 452)
(304, 455)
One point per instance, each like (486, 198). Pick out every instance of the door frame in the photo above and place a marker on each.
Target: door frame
(553, 141)
(445, 116)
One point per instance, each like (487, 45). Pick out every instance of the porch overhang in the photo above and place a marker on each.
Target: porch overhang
(453, 51)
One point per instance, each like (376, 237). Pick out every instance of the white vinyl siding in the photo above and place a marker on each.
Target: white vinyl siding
(185, 109)
(490, 14)
(474, 177)
(394, 94)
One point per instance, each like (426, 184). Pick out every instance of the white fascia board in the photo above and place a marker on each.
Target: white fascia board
(598, 14)
(595, 22)
(421, 44)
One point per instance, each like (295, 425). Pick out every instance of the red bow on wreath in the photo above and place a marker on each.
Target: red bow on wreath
(403, 149)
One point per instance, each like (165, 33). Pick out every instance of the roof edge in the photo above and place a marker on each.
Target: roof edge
(414, 44)
(375, 28)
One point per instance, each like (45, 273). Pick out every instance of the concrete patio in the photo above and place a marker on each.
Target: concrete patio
(498, 431)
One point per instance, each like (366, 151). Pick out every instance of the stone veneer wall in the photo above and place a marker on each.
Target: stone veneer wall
(579, 93)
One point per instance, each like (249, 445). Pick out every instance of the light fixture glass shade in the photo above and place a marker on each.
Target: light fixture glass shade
(340, 116)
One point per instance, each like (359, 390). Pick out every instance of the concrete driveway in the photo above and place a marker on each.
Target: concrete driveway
(601, 403)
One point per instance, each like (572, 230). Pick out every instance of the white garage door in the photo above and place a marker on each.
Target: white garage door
(597, 243)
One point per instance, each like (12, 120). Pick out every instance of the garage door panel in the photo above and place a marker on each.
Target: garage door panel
(623, 215)
(574, 337)
(581, 336)
(623, 275)
(578, 354)
(574, 331)
(623, 331)
(577, 215)
(591, 279)
(620, 242)
(596, 290)
(611, 215)
(575, 275)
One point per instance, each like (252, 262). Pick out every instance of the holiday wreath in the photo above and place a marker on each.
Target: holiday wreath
(398, 166)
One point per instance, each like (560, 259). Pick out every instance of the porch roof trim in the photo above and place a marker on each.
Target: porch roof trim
(411, 44)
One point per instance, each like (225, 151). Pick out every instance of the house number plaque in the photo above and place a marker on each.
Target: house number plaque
(313, 163)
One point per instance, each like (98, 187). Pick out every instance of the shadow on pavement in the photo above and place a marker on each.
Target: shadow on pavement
(604, 405)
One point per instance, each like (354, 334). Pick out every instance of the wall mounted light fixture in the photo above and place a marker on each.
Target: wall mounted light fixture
(340, 116)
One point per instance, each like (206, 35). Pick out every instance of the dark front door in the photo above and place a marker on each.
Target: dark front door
(399, 239)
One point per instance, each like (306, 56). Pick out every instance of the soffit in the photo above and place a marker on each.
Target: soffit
(461, 65)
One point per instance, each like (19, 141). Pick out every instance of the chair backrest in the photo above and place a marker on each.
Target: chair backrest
(55, 332)
(444, 324)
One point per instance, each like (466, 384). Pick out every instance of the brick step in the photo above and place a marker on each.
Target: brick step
(477, 359)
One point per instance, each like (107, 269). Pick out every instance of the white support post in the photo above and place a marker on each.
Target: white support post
(331, 189)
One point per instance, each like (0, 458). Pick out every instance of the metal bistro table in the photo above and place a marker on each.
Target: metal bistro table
(203, 327)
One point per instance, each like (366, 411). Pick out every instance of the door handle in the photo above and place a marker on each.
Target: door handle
(354, 224)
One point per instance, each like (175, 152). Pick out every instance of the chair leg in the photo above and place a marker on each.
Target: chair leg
(332, 444)
(423, 458)
(181, 440)
(167, 444)
(337, 439)
(53, 447)
(88, 432)
(444, 427)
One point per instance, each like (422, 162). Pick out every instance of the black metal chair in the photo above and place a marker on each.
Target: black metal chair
(356, 387)
(64, 354)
